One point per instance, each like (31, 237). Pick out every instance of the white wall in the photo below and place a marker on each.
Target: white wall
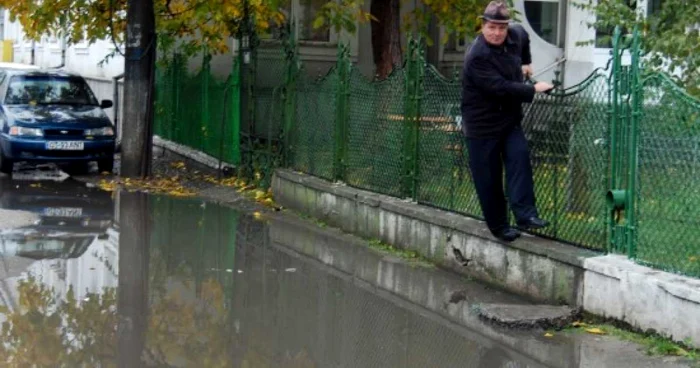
(80, 58)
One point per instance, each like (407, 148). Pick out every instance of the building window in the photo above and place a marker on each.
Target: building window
(276, 31)
(543, 17)
(654, 6)
(456, 44)
(306, 14)
(303, 13)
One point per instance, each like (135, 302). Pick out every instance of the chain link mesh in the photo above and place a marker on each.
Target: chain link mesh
(668, 209)
(566, 131)
(444, 177)
(312, 139)
(268, 81)
(375, 132)
(189, 109)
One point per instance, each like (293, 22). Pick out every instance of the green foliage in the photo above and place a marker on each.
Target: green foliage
(671, 34)
(460, 18)
(191, 25)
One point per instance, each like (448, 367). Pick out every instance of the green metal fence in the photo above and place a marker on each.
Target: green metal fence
(197, 110)
(614, 157)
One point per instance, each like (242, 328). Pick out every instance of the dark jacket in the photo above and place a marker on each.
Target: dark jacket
(492, 86)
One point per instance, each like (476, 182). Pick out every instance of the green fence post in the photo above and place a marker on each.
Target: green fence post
(235, 112)
(342, 114)
(415, 68)
(636, 111)
(614, 126)
(289, 96)
(203, 133)
(172, 108)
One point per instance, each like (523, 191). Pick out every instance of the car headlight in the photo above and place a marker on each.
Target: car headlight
(26, 132)
(99, 132)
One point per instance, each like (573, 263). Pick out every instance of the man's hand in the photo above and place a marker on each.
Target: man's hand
(543, 87)
(527, 71)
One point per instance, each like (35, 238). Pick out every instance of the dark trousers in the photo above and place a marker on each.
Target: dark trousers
(486, 160)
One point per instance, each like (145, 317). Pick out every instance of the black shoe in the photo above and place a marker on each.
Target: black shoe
(508, 234)
(533, 223)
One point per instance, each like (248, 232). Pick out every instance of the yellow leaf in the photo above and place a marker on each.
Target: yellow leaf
(549, 334)
(257, 215)
(578, 324)
(595, 331)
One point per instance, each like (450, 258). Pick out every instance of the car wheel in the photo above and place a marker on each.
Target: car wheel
(105, 165)
(6, 164)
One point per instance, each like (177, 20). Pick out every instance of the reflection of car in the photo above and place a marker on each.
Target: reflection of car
(70, 219)
(31, 243)
(50, 116)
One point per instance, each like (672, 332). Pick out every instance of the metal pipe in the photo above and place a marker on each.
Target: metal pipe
(115, 108)
(549, 67)
(632, 149)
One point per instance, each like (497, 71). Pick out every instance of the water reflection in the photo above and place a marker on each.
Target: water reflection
(187, 284)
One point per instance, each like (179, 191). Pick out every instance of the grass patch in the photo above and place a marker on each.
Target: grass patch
(409, 255)
(653, 343)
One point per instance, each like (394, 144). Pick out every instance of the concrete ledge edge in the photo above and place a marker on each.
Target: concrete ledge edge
(542, 247)
(188, 152)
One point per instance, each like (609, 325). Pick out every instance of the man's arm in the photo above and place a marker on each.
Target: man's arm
(481, 73)
(525, 55)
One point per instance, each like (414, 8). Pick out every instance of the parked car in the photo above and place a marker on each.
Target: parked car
(52, 116)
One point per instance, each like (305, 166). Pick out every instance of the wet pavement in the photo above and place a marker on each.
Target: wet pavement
(92, 278)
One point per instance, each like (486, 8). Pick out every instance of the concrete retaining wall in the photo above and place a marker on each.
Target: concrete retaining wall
(543, 270)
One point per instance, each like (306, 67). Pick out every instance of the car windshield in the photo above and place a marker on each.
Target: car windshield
(46, 89)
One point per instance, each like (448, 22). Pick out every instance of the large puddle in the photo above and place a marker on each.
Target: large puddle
(95, 279)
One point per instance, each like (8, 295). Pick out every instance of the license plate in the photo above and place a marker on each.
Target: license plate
(65, 145)
(63, 211)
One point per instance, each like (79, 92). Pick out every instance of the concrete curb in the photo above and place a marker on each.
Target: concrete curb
(540, 269)
(188, 152)
(543, 270)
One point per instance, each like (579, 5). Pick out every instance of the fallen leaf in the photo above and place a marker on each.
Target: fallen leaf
(549, 334)
(257, 215)
(595, 331)
(578, 324)
(178, 165)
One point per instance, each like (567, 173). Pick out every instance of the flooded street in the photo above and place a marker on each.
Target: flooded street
(92, 278)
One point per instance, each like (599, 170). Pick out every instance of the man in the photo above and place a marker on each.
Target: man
(492, 95)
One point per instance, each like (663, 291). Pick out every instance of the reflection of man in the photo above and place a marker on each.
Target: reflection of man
(492, 94)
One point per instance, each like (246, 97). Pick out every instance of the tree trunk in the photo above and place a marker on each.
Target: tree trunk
(132, 291)
(386, 36)
(139, 77)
